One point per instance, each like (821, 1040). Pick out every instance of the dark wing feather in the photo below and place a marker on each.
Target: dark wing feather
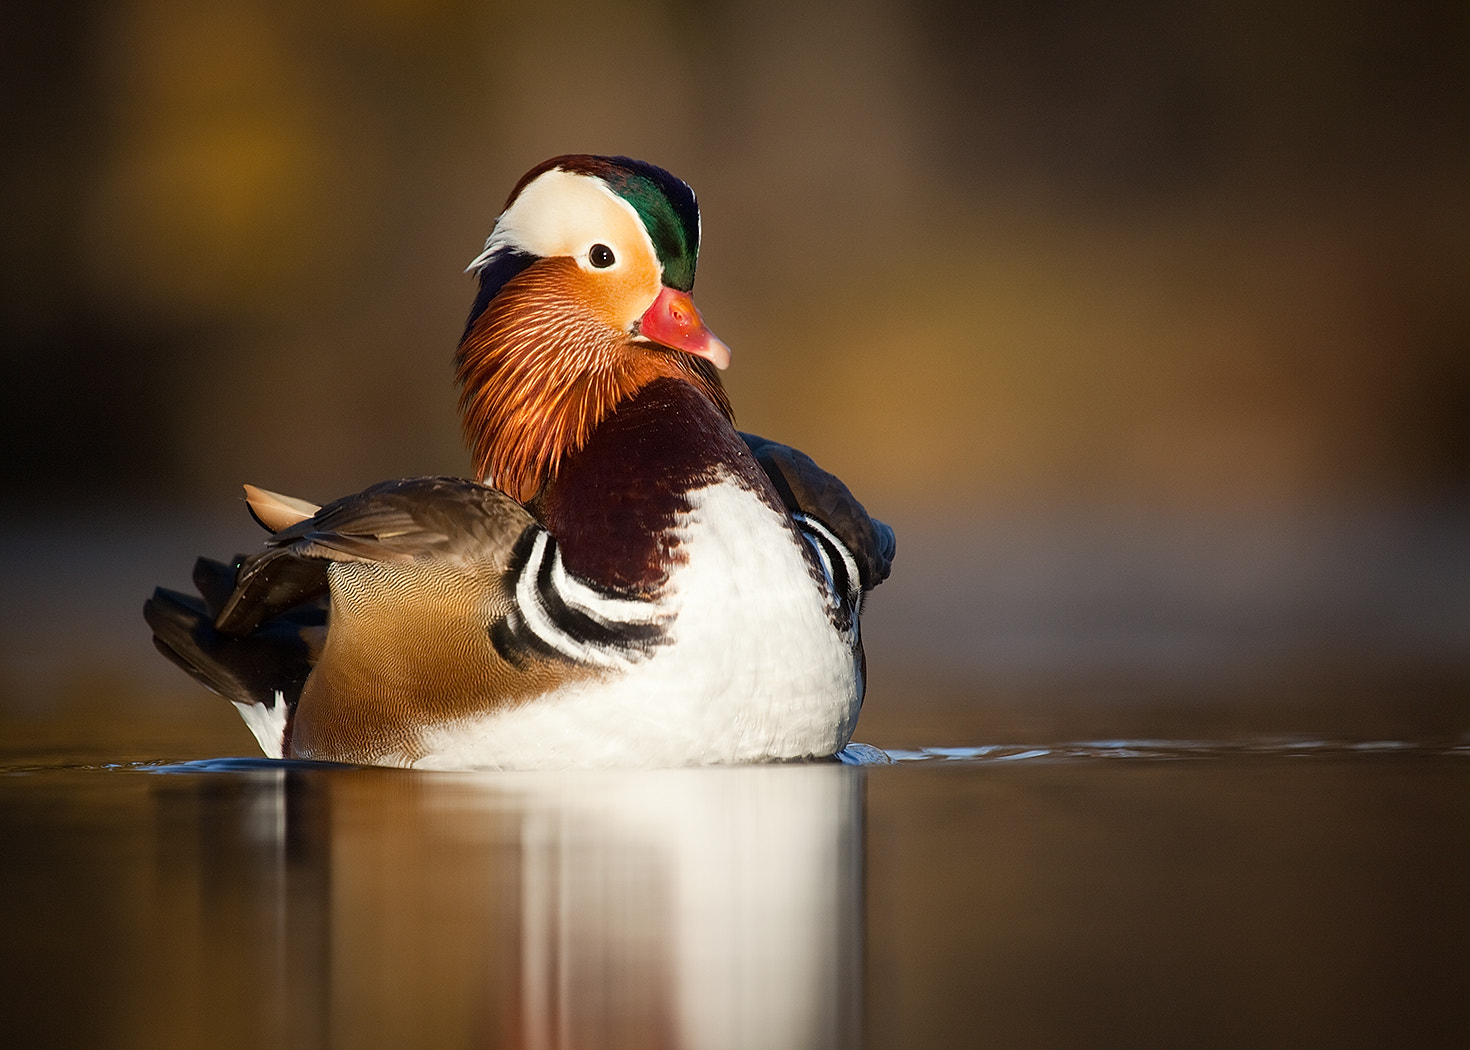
(271, 584)
(447, 519)
(806, 488)
(403, 521)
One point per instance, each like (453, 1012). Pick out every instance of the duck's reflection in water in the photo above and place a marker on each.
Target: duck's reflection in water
(690, 908)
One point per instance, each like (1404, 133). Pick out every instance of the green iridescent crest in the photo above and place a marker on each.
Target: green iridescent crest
(667, 207)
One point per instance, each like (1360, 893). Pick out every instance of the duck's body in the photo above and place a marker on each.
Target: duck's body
(661, 590)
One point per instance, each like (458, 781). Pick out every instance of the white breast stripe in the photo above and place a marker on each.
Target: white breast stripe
(602, 608)
(821, 552)
(539, 619)
(814, 532)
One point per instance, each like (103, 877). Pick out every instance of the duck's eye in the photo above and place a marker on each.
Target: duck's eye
(601, 256)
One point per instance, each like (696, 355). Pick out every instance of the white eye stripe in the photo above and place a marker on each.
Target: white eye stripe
(561, 213)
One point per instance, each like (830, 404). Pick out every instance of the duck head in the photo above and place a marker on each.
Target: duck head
(584, 299)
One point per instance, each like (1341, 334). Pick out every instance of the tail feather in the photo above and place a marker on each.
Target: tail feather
(215, 581)
(250, 669)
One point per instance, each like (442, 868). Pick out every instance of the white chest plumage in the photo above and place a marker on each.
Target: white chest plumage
(751, 667)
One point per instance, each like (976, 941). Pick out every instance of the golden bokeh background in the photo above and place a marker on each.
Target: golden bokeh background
(1147, 326)
(1058, 253)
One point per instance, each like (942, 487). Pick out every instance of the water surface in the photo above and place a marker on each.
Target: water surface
(1149, 784)
(1160, 893)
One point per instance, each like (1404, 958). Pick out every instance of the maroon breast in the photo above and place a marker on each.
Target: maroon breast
(613, 505)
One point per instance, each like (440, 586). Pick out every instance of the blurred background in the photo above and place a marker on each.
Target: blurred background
(1147, 326)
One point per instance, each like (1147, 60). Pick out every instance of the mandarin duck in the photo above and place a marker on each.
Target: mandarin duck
(630, 581)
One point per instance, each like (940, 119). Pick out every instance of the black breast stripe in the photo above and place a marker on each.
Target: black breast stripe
(844, 586)
(559, 617)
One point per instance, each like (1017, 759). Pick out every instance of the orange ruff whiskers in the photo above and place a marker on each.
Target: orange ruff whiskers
(540, 370)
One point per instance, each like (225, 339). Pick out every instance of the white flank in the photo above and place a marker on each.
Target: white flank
(752, 668)
(267, 723)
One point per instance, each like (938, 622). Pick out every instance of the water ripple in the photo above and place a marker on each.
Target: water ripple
(856, 754)
(1167, 750)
